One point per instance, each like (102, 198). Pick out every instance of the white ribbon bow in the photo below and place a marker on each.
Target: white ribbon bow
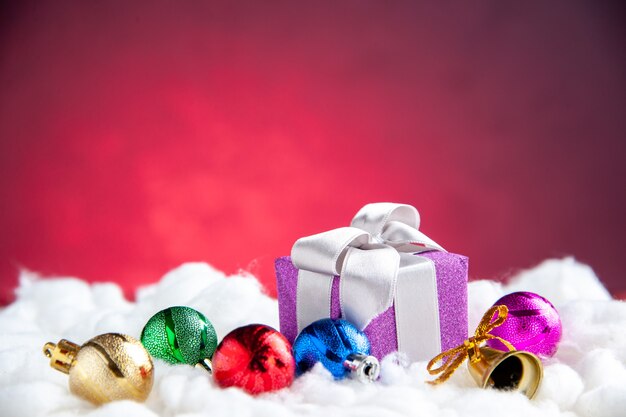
(375, 260)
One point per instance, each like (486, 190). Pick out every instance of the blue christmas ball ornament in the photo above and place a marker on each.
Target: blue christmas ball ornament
(338, 345)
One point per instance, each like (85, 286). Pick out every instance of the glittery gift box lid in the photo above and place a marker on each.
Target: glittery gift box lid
(451, 272)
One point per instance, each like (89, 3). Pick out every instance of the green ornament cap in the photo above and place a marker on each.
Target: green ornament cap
(179, 335)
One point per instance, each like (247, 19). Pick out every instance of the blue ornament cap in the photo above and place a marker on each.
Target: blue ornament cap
(338, 345)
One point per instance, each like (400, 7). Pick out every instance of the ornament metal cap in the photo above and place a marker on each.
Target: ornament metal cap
(61, 354)
(206, 365)
(365, 368)
(515, 370)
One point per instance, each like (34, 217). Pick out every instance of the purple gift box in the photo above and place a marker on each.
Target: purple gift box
(451, 277)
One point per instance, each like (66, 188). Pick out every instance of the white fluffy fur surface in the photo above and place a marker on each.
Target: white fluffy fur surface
(587, 377)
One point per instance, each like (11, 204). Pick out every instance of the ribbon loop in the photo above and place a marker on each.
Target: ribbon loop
(453, 358)
(324, 252)
(373, 217)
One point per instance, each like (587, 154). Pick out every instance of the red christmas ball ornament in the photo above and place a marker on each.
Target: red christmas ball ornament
(255, 358)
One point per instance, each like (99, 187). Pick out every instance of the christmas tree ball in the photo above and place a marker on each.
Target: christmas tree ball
(329, 342)
(532, 325)
(255, 358)
(108, 367)
(179, 335)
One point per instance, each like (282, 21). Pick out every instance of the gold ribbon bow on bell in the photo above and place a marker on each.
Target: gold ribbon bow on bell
(453, 358)
(512, 370)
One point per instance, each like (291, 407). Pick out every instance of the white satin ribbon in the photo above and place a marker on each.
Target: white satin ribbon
(374, 259)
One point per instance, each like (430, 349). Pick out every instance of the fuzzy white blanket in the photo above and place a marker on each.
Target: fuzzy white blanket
(587, 377)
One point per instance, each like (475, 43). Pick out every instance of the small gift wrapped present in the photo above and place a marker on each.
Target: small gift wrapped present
(382, 274)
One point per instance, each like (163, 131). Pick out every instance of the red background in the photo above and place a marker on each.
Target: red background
(135, 137)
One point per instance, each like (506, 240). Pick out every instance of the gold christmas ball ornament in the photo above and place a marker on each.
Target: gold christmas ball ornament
(108, 367)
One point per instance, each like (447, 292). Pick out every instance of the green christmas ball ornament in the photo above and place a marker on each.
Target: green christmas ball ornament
(180, 335)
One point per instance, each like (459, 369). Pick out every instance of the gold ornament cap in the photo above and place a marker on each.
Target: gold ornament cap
(108, 367)
(61, 355)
